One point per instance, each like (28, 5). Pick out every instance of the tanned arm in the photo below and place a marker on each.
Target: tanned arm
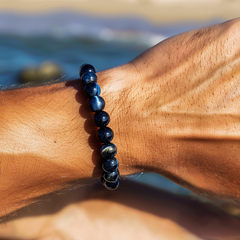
(174, 110)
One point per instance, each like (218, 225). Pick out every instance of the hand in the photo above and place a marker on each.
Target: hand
(180, 115)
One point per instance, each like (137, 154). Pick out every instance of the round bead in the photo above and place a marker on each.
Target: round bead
(111, 177)
(105, 134)
(92, 89)
(89, 77)
(86, 68)
(108, 150)
(110, 165)
(101, 119)
(112, 185)
(96, 103)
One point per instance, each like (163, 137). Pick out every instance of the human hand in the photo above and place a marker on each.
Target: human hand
(181, 116)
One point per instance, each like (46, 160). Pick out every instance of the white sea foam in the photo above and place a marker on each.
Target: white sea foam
(67, 24)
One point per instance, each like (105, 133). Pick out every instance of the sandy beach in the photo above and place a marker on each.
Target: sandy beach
(154, 10)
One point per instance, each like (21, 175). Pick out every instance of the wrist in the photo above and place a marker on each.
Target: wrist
(140, 135)
(117, 85)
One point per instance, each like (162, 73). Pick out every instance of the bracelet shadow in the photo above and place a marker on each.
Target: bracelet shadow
(89, 126)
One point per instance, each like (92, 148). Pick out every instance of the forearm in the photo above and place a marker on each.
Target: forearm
(33, 148)
(48, 139)
(47, 142)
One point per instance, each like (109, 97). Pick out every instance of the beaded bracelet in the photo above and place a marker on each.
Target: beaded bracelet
(110, 178)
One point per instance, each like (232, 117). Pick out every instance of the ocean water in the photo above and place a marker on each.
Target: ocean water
(70, 39)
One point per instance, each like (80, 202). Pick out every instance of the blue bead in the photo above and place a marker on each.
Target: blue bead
(105, 134)
(92, 89)
(112, 185)
(108, 150)
(111, 177)
(89, 77)
(110, 165)
(96, 103)
(101, 119)
(86, 68)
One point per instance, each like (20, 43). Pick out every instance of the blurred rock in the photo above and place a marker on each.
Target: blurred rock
(231, 209)
(49, 71)
(28, 74)
(45, 72)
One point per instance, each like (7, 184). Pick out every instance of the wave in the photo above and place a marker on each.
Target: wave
(70, 24)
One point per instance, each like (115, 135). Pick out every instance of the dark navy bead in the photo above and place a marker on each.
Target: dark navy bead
(110, 165)
(111, 177)
(101, 119)
(108, 150)
(86, 68)
(92, 89)
(96, 103)
(105, 134)
(89, 77)
(112, 185)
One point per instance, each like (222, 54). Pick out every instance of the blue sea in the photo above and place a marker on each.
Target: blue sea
(70, 39)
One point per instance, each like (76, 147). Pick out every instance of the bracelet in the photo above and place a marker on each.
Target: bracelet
(110, 178)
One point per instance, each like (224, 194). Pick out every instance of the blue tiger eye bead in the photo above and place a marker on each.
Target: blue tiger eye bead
(108, 150)
(89, 77)
(110, 165)
(92, 89)
(101, 119)
(86, 68)
(111, 177)
(96, 103)
(105, 134)
(111, 185)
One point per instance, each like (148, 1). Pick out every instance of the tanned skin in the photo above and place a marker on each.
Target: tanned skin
(174, 111)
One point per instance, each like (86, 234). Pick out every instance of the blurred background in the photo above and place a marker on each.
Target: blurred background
(43, 40)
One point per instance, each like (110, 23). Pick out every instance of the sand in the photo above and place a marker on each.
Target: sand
(164, 11)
